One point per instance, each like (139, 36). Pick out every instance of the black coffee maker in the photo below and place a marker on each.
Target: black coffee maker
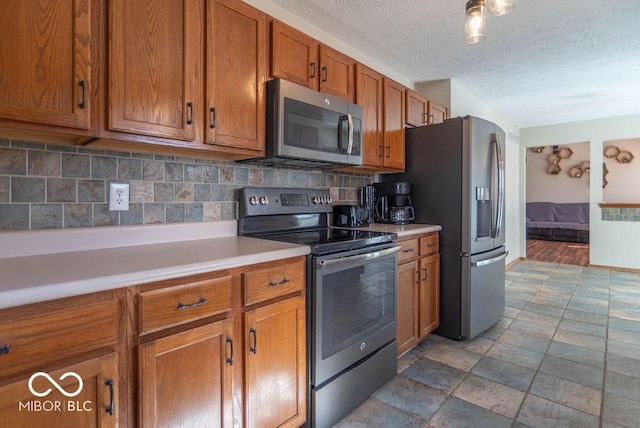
(393, 203)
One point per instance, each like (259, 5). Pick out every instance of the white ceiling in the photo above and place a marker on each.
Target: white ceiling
(548, 61)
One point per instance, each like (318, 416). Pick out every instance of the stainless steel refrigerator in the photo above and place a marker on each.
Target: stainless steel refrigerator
(456, 170)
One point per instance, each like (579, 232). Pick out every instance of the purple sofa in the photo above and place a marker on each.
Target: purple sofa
(558, 221)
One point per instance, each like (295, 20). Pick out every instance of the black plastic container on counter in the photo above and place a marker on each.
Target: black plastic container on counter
(350, 215)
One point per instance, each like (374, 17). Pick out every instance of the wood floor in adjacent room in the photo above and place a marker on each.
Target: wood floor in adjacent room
(567, 253)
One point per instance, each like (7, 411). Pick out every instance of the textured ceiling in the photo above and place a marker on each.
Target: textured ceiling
(548, 61)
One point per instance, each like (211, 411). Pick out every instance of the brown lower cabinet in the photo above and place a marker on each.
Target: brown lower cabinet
(418, 290)
(59, 365)
(222, 349)
(186, 377)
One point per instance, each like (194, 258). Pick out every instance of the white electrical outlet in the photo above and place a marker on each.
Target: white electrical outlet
(118, 197)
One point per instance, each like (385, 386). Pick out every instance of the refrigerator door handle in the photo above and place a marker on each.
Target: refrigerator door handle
(499, 164)
(491, 260)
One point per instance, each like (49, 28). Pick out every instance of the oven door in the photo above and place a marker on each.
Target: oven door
(353, 308)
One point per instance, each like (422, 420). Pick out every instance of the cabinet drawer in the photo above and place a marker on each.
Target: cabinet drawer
(429, 244)
(267, 283)
(409, 250)
(31, 342)
(183, 303)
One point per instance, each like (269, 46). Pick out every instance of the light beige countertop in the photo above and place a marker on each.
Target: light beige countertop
(39, 266)
(403, 230)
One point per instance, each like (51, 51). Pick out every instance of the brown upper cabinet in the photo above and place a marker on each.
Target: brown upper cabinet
(236, 76)
(421, 111)
(299, 58)
(382, 101)
(47, 62)
(417, 109)
(393, 124)
(437, 113)
(156, 68)
(294, 55)
(369, 92)
(159, 85)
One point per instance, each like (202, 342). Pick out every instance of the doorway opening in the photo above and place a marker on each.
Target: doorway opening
(557, 203)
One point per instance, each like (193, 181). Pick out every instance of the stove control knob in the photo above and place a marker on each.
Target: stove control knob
(253, 200)
(315, 200)
(324, 200)
(329, 201)
(264, 200)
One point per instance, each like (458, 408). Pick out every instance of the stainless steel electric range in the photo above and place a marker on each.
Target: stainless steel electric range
(351, 295)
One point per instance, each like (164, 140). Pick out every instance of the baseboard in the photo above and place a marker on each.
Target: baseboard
(513, 262)
(616, 268)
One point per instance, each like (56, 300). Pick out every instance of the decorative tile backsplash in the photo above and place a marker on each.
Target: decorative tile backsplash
(621, 214)
(46, 186)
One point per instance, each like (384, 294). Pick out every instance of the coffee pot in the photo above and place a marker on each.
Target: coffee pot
(393, 203)
(401, 215)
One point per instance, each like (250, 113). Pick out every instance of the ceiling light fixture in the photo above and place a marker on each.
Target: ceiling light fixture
(475, 22)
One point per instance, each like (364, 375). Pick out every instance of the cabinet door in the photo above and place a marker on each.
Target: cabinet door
(416, 108)
(95, 404)
(437, 113)
(186, 378)
(369, 96)
(429, 300)
(393, 125)
(236, 74)
(408, 285)
(337, 73)
(275, 372)
(156, 67)
(294, 55)
(45, 62)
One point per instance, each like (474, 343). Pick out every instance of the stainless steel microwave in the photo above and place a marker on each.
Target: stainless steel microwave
(309, 129)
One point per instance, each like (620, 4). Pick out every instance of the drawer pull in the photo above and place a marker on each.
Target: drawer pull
(408, 250)
(253, 349)
(425, 274)
(109, 408)
(5, 349)
(200, 302)
(230, 359)
(275, 284)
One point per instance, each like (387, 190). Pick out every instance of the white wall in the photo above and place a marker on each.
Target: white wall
(561, 188)
(623, 178)
(612, 243)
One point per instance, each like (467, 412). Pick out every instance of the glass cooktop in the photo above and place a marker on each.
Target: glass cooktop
(329, 240)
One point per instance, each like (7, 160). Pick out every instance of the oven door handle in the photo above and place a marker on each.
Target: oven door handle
(323, 264)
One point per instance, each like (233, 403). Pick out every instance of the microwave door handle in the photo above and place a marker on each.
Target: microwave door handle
(350, 129)
(349, 119)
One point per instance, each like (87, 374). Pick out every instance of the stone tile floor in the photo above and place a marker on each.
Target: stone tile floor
(566, 353)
